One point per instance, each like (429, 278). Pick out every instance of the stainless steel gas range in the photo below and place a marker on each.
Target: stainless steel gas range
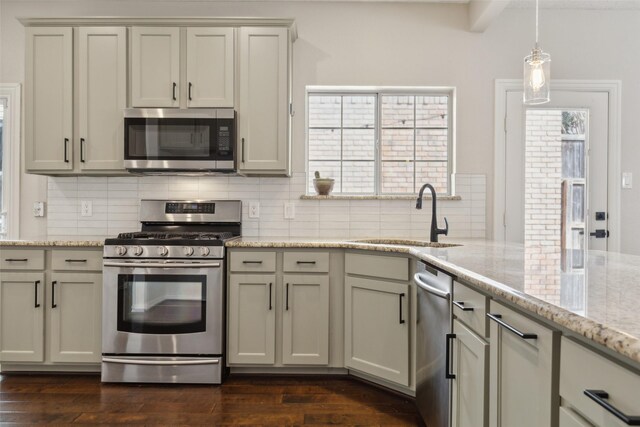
(164, 293)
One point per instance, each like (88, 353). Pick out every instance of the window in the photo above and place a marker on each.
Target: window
(3, 103)
(9, 159)
(380, 141)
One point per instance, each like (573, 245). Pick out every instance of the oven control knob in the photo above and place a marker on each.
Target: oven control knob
(121, 250)
(188, 251)
(163, 251)
(137, 250)
(204, 251)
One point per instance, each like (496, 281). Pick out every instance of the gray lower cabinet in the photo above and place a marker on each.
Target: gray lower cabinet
(252, 319)
(22, 316)
(470, 365)
(523, 370)
(305, 320)
(50, 306)
(377, 328)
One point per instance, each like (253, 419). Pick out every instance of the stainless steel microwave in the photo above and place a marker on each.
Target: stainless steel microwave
(158, 140)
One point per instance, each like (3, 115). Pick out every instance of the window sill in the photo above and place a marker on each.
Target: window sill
(373, 197)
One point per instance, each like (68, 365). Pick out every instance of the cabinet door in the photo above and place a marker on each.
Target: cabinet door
(471, 383)
(75, 310)
(155, 66)
(49, 99)
(377, 328)
(305, 320)
(21, 317)
(210, 61)
(523, 389)
(263, 112)
(102, 64)
(252, 318)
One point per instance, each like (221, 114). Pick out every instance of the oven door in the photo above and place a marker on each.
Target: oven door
(163, 308)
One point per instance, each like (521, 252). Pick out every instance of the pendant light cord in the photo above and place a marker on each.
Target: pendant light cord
(537, 23)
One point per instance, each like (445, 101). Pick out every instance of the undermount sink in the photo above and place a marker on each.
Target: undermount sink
(405, 242)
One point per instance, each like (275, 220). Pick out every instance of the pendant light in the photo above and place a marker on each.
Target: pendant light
(537, 74)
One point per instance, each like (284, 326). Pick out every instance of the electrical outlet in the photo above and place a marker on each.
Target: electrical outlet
(254, 209)
(38, 209)
(86, 208)
(289, 210)
(627, 180)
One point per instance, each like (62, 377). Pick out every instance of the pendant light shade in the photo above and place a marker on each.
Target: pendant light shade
(537, 74)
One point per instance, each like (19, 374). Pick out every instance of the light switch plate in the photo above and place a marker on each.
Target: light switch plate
(38, 209)
(254, 209)
(289, 210)
(627, 180)
(86, 208)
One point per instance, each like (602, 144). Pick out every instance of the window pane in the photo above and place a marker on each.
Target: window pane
(359, 111)
(397, 177)
(2, 218)
(434, 173)
(324, 144)
(397, 111)
(432, 111)
(432, 144)
(327, 170)
(324, 111)
(358, 144)
(358, 177)
(573, 159)
(397, 144)
(577, 210)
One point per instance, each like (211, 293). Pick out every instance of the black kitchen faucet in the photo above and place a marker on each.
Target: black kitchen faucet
(435, 231)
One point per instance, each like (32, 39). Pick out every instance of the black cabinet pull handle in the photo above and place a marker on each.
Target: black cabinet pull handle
(447, 357)
(252, 262)
(497, 318)
(17, 259)
(270, 288)
(66, 148)
(400, 299)
(190, 85)
(599, 397)
(35, 285)
(53, 294)
(242, 150)
(75, 260)
(82, 150)
(306, 262)
(287, 298)
(174, 91)
(461, 306)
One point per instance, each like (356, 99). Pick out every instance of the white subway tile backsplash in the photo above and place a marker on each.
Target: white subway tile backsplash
(116, 205)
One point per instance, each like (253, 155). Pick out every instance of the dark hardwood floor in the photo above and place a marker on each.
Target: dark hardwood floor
(241, 400)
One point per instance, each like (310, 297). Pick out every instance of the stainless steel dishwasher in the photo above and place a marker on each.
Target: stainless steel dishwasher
(434, 326)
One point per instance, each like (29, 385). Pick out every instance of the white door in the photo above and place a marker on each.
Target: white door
(524, 167)
(155, 66)
(210, 67)
(102, 63)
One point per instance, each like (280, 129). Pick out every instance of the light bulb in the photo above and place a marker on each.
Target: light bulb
(537, 76)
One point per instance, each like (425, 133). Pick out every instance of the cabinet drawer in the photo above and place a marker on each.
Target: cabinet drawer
(300, 262)
(258, 262)
(470, 307)
(582, 369)
(383, 267)
(21, 259)
(76, 260)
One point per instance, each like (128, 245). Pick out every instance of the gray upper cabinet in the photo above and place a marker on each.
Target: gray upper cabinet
(102, 65)
(155, 66)
(49, 99)
(75, 125)
(263, 111)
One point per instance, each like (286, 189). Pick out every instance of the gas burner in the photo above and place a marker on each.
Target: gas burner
(157, 235)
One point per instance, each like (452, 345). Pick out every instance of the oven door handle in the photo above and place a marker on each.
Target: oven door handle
(161, 265)
(161, 362)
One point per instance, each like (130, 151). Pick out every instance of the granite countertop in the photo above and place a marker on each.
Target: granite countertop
(56, 243)
(598, 301)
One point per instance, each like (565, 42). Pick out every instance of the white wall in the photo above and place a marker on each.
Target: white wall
(401, 44)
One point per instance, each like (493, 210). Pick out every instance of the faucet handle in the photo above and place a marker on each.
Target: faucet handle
(445, 231)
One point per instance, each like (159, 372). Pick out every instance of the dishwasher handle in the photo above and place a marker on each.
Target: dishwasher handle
(420, 281)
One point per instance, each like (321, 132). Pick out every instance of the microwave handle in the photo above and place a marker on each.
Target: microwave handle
(242, 150)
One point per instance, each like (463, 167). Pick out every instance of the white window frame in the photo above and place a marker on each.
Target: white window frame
(380, 91)
(11, 134)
